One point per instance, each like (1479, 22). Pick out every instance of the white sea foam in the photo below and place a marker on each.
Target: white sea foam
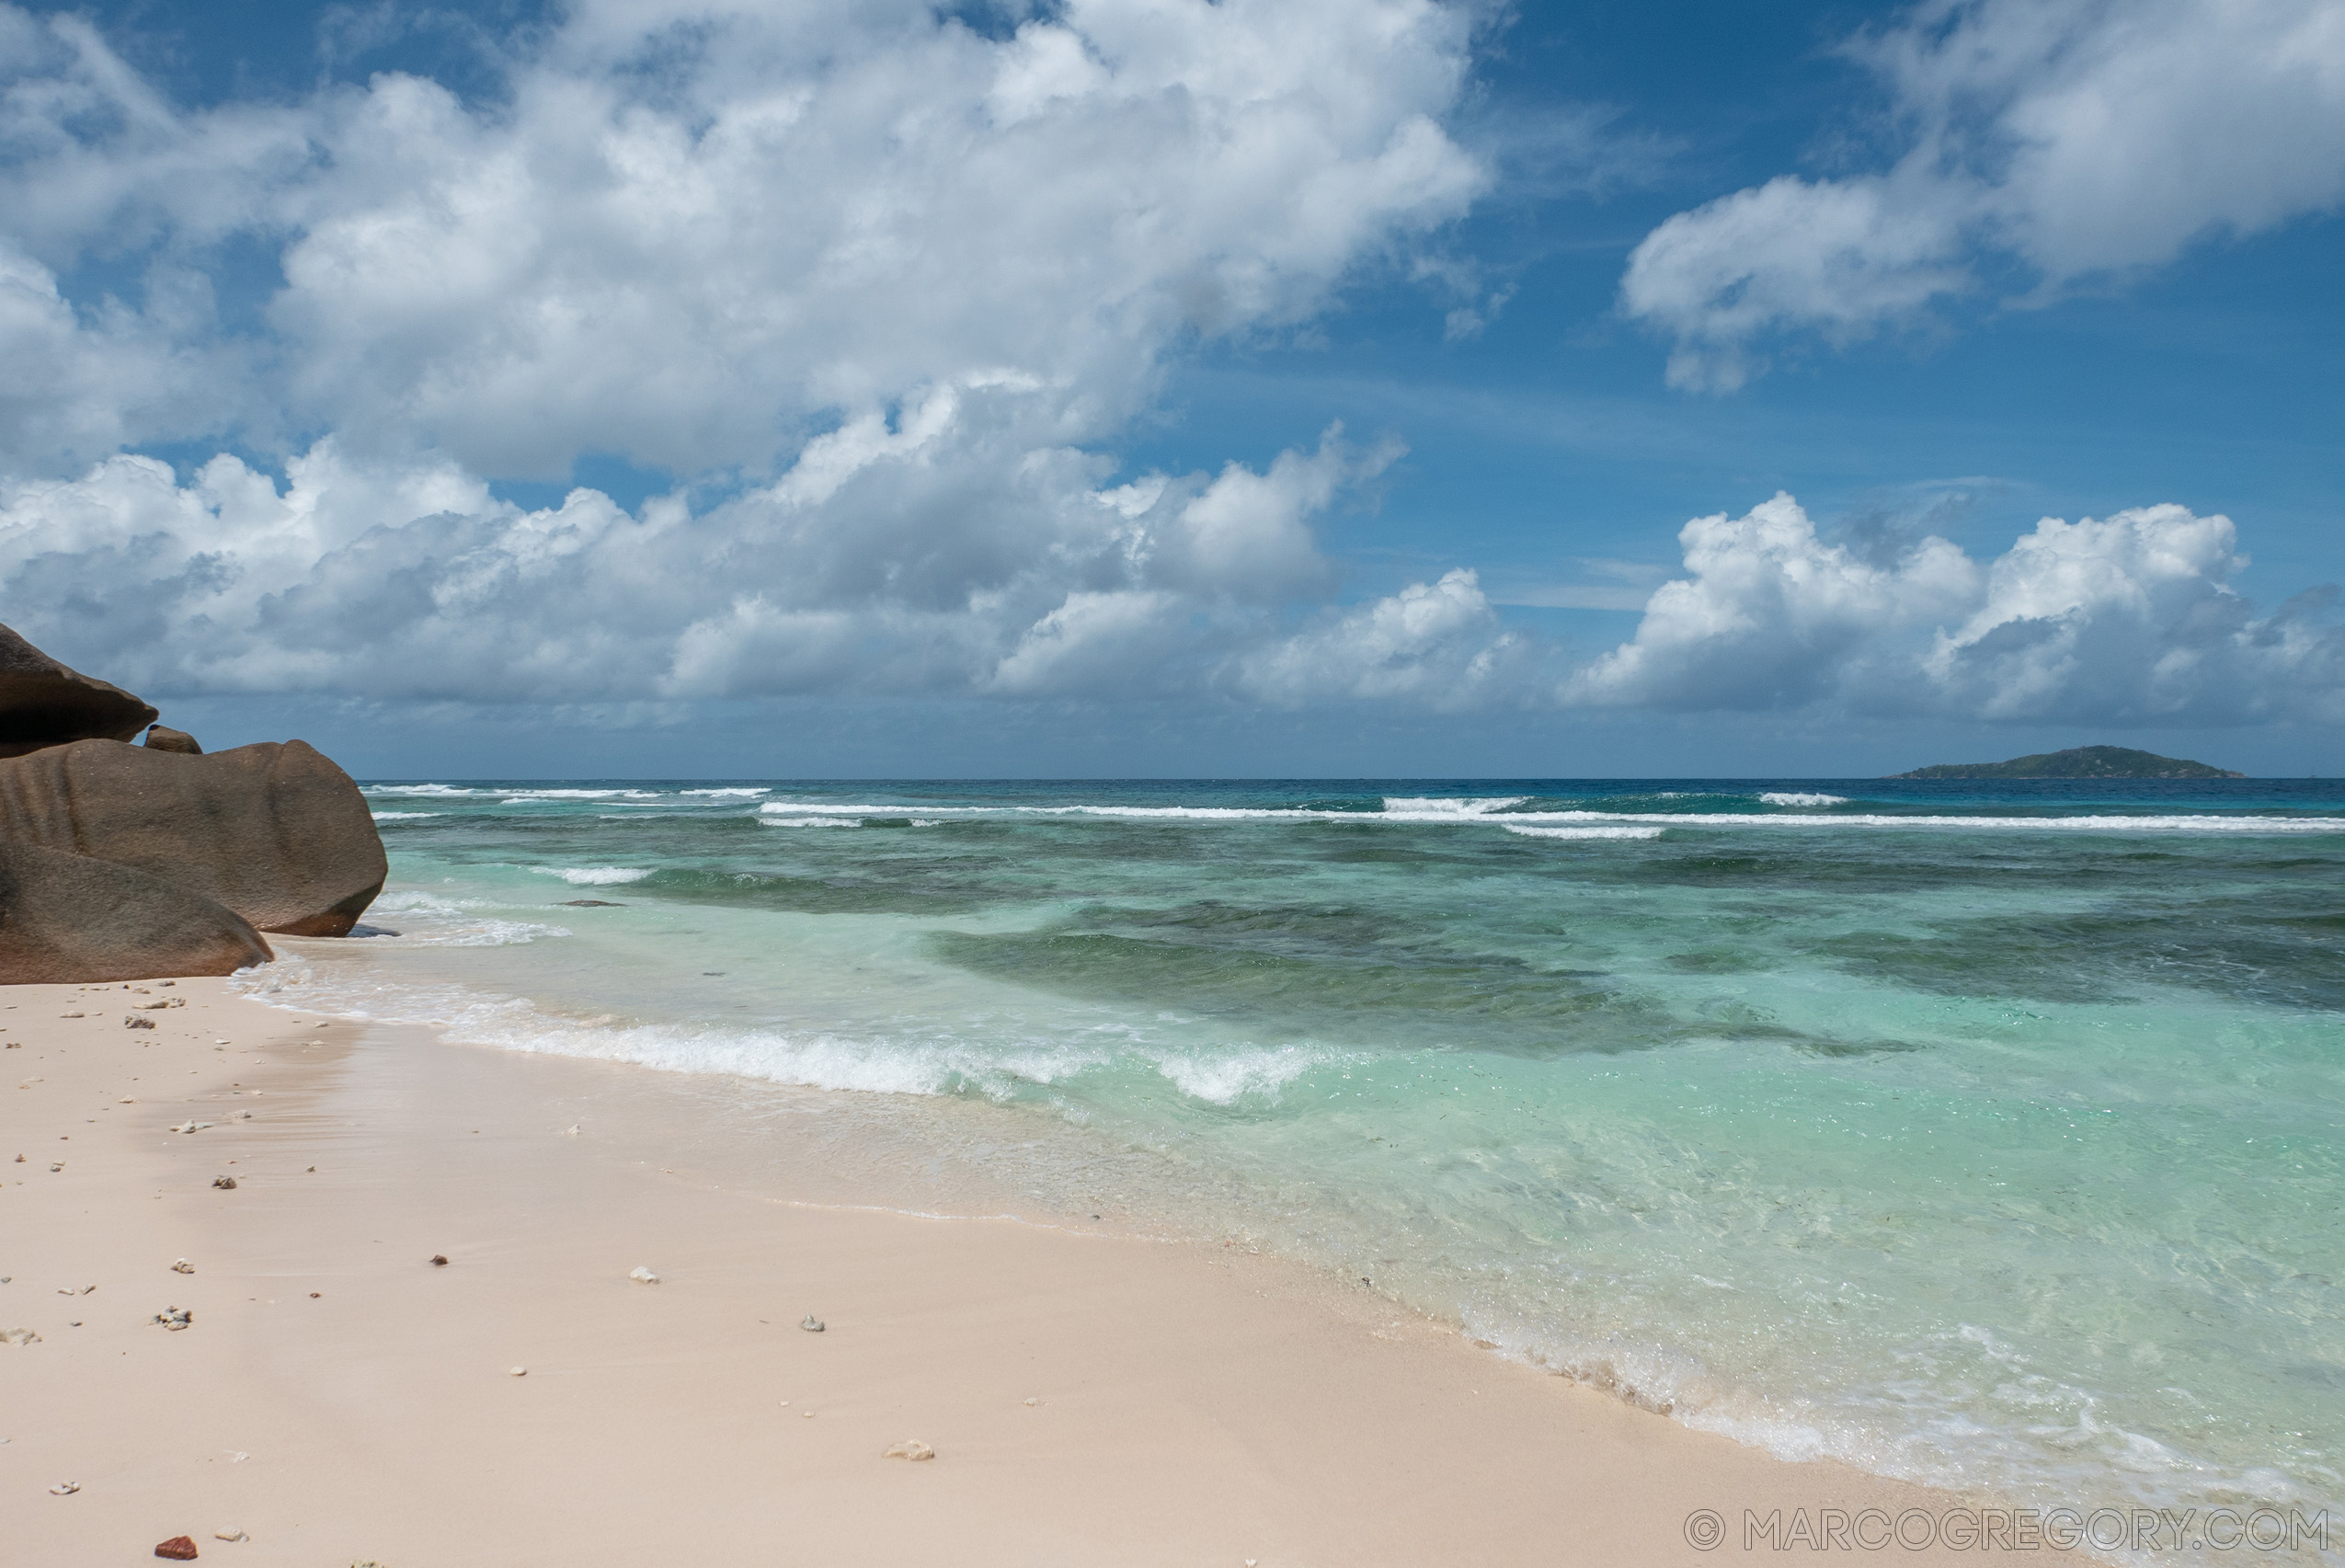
(1495, 812)
(809, 821)
(404, 816)
(1223, 1078)
(814, 1060)
(425, 919)
(1425, 809)
(591, 876)
(416, 789)
(1799, 797)
(1586, 832)
(523, 797)
(728, 794)
(2170, 823)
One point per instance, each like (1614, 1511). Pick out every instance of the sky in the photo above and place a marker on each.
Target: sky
(1395, 388)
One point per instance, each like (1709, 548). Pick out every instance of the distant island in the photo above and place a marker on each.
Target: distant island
(2077, 762)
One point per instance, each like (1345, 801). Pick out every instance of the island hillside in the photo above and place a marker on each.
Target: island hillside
(2077, 762)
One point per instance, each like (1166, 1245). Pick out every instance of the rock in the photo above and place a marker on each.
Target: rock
(130, 1023)
(43, 704)
(812, 1324)
(231, 1533)
(174, 1317)
(183, 1266)
(642, 1276)
(161, 738)
(909, 1449)
(590, 904)
(18, 1336)
(225, 1183)
(439, 1260)
(179, 1549)
(273, 831)
(66, 917)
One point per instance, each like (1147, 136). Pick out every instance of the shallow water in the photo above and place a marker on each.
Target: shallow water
(1983, 1134)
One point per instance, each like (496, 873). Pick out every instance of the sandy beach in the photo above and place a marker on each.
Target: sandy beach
(1089, 1397)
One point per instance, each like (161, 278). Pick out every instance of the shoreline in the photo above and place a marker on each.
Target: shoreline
(1192, 1405)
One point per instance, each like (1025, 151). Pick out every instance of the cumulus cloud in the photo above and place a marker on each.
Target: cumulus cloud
(2128, 619)
(2077, 141)
(1437, 644)
(927, 556)
(881, 290)
(698, 233)
(877, 287)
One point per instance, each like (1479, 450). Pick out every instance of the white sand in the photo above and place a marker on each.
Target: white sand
(1189, 1405)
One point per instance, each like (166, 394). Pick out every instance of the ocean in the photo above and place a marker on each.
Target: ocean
(1982, 1134)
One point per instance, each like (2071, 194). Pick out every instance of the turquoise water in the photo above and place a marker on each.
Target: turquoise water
(1983, 1134)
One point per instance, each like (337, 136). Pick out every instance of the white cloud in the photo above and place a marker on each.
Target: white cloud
(890, 282)
(2127, 619)
(882, 290)
(931, 555)
(698, 233)
(2081, 140)
(1438, 644)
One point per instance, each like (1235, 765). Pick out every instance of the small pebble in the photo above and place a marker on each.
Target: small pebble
(225, 1183)
(183, 1266)
(65, 1488)
(812, 1324)
(231, 1533)
(909, 1449)
(179, 1549)
(519, 1372)
(642, 1276)
(439, 1260)
(1033, 1401)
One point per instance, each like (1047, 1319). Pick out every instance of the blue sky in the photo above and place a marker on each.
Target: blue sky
(1307, 388)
